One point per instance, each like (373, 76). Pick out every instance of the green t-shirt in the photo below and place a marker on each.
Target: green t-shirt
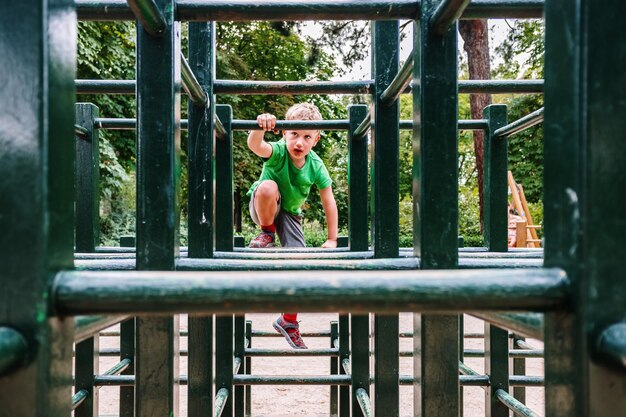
(294, 183)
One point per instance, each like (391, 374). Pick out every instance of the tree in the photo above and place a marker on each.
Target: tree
(476, 44)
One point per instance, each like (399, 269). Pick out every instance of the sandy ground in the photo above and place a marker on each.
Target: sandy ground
(279, 401)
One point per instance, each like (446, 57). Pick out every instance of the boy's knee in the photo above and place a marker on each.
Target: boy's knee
(266, 190)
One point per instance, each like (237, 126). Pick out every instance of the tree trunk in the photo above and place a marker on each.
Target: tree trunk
(475, 36)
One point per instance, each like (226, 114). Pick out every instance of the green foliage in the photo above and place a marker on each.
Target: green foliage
(522, 51)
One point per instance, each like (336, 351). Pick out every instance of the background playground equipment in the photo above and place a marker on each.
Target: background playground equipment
(577, 295)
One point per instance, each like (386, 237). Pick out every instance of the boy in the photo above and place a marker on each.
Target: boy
(290, 169)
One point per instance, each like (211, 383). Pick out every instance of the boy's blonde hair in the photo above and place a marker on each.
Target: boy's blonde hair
(303, 111)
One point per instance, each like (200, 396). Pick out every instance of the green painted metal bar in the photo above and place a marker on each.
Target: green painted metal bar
(384, 147)
(221, 398)
(495, 180)
(500, 86)
(85, 86)
(256, 352)
(526, 324)
(295, 124)
(497, 367)
(92, 10)
(611, 345)
(519, 363)
(127, 292)
(200, 368)
(291, 87)
(359, 359)
(269, 10)
(446, 14)
(400, 82)
(224, 205)
(334, 368)
(13, 349)
(526, 381)
(364, 128)
(149, 15)
(239, 353)
(357, 181)
(127, 353)
(518, 408)
(364, 402)
(344, 355)
(87, 180)
(191, 85)
(81, 132)
(385, 329)
(200, 143)
(224, 351)
(248, 369)
(125, 123)
(79, 398)
(38, 66)
(521, 124)
(88, 326)
(291, 380)
(87, 364)
(220, 130)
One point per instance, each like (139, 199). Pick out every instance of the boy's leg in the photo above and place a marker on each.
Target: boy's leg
(264, 207)
(289, 229)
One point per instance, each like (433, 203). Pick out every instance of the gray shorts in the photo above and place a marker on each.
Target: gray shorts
(288, 226)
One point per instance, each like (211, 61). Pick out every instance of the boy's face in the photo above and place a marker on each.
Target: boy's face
(299, 144)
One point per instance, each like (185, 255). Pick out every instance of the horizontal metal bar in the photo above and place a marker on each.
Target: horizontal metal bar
(513, 353)
(524, 324)
(364, 402)
(163, 292)
(309, 10)
(81, 132)
(526, 381)
(500, 86)
(291, 352)
(294, 124)
(612, 344)
(196, 264)
(291, 87)
(522, 344)
(314, 87)
(191, 85)
(399, 83)
(519, 125)
(446, 14)
(220, 401)
(125, 123)
(149, 15)
(291, 380)
(119, 367)
(13, 349)
(88, 326)
(518, 408)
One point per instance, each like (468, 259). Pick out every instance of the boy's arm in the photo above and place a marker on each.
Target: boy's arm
(255, 138)
(330, 210)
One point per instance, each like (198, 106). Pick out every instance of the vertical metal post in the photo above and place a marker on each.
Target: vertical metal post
(200, 360)
(435, 197)
(87, 360)
(461, 358)
(360, 358)
(334, 370)
(495, 184)
(357, 182)
(240, 352)
(519, 368)
(200, 142)
(584, 228)
(87, 180)
(158, 171)
(385, 142)
(344, 353)
(497, 367)
(224, 351)
(224, 182)
(127, 351)
(248, 364)
(38, 50)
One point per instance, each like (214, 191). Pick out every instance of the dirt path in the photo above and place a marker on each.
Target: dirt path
(313, 401)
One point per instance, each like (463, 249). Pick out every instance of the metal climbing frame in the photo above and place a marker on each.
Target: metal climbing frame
(581, 291)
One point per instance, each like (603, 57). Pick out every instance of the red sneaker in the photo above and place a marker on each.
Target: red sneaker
(263, 240)
(291, 331)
